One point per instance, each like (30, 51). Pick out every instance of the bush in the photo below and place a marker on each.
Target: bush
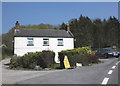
(48, 58)
(30, 60)
(7, 51)
(43, 59)
(16, 62)
(92, 58)
(82, 55)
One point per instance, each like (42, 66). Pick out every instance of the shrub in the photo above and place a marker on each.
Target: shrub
(78, 55)
(48, 58)
(7, 51)
(43, 59)
(16, 62)
(92, 58)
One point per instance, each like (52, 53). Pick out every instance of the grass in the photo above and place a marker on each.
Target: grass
(5, 56)
(56, 65)
(0, 58)
(91, 64)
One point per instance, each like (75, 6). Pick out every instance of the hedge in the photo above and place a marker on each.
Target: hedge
(44, 59)
(82, 55)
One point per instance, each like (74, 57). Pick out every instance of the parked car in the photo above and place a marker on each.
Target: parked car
(107, 52)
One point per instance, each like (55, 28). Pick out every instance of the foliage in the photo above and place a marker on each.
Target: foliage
(7, 40)
(48, 58)
(44, 59)
(16, 62)
(95, 33)
(56, 65)
(5, 56)
(7, 51)
(92, 58)
(40, 26)
(82, 55)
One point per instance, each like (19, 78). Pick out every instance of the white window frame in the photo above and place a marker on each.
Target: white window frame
(30, 41)
(45, 40)
(60, 42)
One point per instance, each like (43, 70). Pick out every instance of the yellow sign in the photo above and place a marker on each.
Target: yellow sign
(66, 62)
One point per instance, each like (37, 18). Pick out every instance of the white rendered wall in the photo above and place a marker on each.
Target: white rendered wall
(21, 48)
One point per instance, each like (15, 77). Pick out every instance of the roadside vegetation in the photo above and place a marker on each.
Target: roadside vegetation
(45, 59)
(83, 55)
(6, 53)
(95, 33)
(37, 60)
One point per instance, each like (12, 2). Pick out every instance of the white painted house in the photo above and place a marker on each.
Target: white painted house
(32, 40)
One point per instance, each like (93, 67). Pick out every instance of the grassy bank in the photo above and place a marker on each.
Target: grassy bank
(5, 57)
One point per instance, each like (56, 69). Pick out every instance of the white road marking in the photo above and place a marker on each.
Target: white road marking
(117, 62)
(104, 82)
(110, 72)
(113, 67)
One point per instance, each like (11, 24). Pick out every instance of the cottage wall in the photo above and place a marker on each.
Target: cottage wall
(21, 48)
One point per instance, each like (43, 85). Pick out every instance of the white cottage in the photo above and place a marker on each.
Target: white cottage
(32, 40)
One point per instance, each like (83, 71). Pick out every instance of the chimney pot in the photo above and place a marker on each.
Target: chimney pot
(17, 25)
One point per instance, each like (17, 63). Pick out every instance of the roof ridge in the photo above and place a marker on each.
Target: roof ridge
(40, 29)
(42, 33)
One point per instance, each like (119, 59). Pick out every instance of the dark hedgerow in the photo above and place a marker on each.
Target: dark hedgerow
(16, 62)
(92, 58)
(82, 55)
(44, 59)
(47, 58)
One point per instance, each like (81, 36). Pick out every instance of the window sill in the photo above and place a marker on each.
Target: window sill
(60, 45)
(45, 45)
(30, 45)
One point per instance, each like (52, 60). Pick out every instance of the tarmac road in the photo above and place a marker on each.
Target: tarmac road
(103, 73)
(13, 76)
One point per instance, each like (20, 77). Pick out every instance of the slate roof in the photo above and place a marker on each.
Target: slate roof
(42, 33)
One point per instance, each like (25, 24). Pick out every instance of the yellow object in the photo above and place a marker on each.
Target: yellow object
(66, 62)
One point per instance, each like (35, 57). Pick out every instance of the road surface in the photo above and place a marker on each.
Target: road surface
(103, 73)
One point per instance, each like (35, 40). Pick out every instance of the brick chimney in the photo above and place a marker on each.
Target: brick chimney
(68, 30)
(17, 25)
(68, 27)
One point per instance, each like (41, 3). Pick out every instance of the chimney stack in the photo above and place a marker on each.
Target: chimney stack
(17, 25)
(68, 30)
(68, 27)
